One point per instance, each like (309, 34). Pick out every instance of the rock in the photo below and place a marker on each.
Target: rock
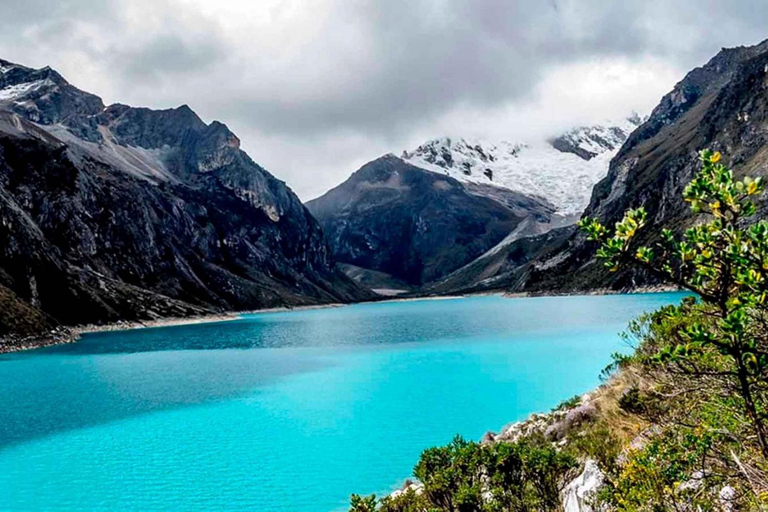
(727, 497)
(639, 442)
(488, 438)
(578, 493)
(408, 485)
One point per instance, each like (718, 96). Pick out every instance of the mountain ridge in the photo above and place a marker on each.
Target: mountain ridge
(119, 213)
(393, 217)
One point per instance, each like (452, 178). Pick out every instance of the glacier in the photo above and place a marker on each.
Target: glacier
(561, 170)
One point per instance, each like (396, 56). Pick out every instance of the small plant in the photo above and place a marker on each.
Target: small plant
(362, 503)
(632, 401)
(569, 403)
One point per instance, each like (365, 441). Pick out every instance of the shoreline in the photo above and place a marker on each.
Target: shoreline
(71, 334)
(129, 325)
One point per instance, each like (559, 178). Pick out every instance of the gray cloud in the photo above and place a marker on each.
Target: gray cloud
(168, 55)
(315, 87)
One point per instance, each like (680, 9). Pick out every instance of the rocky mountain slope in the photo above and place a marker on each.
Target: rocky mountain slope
(114, 212)
(415, 225)
(722, 105)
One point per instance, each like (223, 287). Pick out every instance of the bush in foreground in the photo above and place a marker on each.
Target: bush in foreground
(465, 476)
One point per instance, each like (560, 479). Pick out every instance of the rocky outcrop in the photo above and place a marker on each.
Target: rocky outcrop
(579, 493)
(118, 213)
(415, 225)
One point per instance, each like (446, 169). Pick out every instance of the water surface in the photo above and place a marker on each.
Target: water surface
(288, 411)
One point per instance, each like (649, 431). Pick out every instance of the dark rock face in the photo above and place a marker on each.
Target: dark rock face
(415, 225)
(723, 106)
(125, 213)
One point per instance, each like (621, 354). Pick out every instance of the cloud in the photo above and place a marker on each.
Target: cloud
(315, 88)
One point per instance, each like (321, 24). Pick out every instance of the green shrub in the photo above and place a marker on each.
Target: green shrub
(569, 403)
(362, 503)
(707, 357)
(632, 401)
(597, 442)
(465, 476)
(408, 501)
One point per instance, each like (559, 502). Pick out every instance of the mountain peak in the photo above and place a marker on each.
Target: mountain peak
(43, 95)
(587, 142)
(561, 170)
(139, 213)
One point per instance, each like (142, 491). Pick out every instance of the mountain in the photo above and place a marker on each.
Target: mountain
(119, 213)
(414, 225)
(722, 105)
(406, 223)
(562, 170)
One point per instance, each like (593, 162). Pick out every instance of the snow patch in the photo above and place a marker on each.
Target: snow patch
(17, 91)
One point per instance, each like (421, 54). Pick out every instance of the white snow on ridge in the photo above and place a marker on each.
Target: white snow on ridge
(15, 92)
(563, 176)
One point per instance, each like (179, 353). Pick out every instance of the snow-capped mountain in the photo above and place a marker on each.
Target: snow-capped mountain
(562, 170)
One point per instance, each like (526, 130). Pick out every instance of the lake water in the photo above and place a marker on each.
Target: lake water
(288, 411)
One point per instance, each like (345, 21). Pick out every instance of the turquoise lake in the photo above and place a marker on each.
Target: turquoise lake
(288, 411)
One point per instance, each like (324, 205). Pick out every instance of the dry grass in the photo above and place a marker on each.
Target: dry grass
(626, 427)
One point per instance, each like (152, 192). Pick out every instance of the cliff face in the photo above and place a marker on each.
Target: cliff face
(116, 212)
(723, 106)
(413, 224)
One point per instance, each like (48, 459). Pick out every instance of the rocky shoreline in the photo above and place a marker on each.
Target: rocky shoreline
(557, 427)
(57, 336)
(160, 322)
(578, 493)
(62, 335)
(659, 288)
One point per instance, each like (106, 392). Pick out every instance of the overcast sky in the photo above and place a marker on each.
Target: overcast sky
(316, 88)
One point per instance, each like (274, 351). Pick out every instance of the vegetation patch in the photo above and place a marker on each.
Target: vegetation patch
(679, 425)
